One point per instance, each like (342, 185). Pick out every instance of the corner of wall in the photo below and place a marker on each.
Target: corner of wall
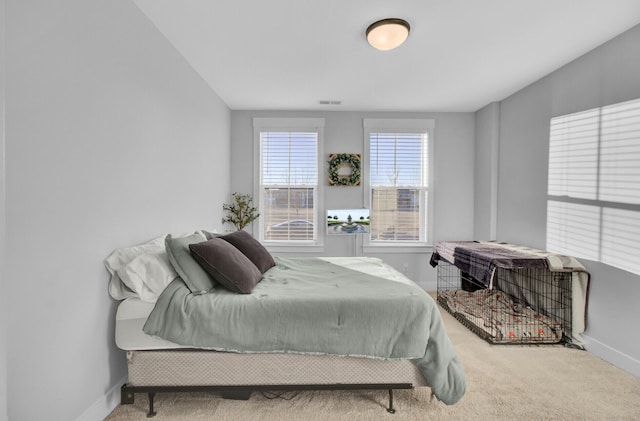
(3, 325)
(487, 145)
(104, 405)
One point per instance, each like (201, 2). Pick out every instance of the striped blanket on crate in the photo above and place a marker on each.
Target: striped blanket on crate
(480, 260)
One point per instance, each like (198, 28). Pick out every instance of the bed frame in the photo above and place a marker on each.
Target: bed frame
(236, 376)
(244, 392)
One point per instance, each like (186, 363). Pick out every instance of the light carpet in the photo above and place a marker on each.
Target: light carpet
(503, 383)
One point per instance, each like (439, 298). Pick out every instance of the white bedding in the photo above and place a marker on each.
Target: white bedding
(133, 312)
(130, 318)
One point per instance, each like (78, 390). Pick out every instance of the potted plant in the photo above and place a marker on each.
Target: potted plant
(241, 212)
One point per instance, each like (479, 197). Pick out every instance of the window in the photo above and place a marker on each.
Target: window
(397, 184)
(288, 151)
(593, 206)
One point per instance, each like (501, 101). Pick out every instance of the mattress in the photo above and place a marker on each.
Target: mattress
(130, 318)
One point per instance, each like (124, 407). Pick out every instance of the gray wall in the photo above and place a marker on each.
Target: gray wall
(3, 295)
(487, 130)
(453, 166)
(606, 75)
(111, 139)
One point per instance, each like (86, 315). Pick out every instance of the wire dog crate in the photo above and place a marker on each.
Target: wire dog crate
(524, 306)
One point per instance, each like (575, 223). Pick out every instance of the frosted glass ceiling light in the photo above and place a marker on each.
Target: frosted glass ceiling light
(387, 34)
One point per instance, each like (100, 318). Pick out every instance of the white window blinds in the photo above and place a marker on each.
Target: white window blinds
(398, 179)
(620, 153)
(398, 159)
(289, 158)
(288, 184)
(573, 155)
(593, 208)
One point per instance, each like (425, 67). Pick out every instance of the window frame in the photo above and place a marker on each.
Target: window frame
(412, 126)
(273, 124)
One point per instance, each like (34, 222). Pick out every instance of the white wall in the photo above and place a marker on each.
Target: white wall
(111, 139)
(3, 295)
(453, 189)
(606, 75)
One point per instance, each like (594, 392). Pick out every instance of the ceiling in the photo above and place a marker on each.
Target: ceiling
(460, 55)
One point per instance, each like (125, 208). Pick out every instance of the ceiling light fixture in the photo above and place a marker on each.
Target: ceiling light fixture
(387, 34)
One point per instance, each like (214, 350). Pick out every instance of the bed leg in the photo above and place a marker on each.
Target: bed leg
(126, 397)
(390, 409)
(151, 412)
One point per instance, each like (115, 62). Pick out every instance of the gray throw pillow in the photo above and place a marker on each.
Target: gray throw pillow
(210, 235)
(228, 266)
(196, 278)
(251, 248)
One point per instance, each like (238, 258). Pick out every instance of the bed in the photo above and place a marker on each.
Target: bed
(308, 323)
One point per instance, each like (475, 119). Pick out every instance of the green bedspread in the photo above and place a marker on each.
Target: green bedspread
(311, 306)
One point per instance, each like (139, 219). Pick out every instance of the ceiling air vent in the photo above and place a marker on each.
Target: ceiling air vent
(328, 102)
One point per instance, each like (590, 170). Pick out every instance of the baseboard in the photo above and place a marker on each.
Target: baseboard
(104, 405)
(611, 355)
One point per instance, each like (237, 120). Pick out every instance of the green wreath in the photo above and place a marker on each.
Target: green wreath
(340, 160)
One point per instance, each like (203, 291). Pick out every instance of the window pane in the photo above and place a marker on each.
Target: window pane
(573, 155)
(573, 229)
(620, 153)
(288, 214)
(597, 151)
(595, 156)
(289, 158)
(395, 215)
(621, 239)
(398, 168)
(289, 178)
(398, 159)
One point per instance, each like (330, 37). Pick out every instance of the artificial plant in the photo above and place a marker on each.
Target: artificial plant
(241, 212)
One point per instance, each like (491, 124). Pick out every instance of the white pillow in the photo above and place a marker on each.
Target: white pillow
(148, 275)
(119, 258)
